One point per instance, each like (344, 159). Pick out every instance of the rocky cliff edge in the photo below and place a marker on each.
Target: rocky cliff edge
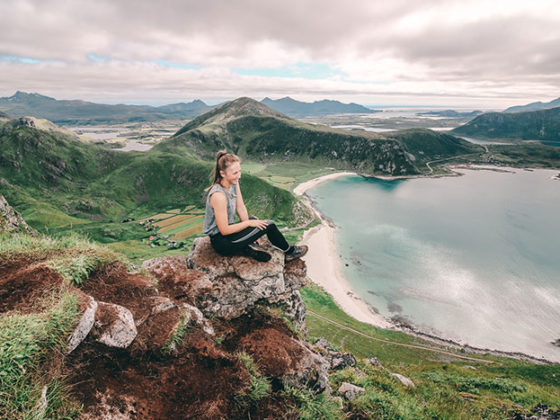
(181, 337)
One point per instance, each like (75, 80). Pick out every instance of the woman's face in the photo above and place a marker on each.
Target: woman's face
(232, 173)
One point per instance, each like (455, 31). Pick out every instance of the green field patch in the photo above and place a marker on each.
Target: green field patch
(190, 231)
(172, 228)
(138, 252)
(182, 218)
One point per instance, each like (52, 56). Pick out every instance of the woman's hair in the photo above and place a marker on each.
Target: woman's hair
(223, 160)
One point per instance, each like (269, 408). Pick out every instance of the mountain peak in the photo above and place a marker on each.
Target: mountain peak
(22, 96)
(240, 107)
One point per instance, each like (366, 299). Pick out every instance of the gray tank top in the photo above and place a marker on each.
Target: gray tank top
(210, 226)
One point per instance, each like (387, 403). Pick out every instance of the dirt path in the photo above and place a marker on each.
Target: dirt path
(414, 346)
(453, 157)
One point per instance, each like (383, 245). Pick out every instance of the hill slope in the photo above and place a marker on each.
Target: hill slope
(83, 337)
(298, 109)
(534, 125)
(76, 111)
(259, 133)
(58, 182)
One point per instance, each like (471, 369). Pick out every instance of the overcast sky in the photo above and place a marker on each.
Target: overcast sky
(489, 54)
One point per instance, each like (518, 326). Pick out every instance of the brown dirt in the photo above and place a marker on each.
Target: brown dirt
(274, 351)
(23, 286)
(191, 385)
(114, 284)
(199, 381)
(156, 331)
(267, 339)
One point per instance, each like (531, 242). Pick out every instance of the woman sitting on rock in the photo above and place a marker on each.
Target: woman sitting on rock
(223, 201)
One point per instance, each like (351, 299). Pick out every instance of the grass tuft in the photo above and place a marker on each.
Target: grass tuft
(259, 385)
(313, 406)
(30, 345)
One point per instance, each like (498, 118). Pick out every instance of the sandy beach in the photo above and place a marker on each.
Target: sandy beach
(323, 264)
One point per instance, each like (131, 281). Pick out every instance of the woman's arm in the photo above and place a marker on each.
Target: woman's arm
(240, 205)
(219, 204)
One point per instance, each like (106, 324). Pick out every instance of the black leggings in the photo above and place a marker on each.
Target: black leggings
(237, 242)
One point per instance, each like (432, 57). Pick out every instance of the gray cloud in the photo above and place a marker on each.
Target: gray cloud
(443, 47)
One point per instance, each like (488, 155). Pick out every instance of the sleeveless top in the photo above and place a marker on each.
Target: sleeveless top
(210, 226)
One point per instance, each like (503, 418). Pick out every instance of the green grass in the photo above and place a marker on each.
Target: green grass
(40, 246)
(74, 256)
(444, 387)
(259, 386)
(177, 337)
(30, 345)
(313, 406)
(76, 270)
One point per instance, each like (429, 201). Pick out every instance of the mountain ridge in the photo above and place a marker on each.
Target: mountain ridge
(529, 125)
(298, 109)
(79, 111)
(534, 106)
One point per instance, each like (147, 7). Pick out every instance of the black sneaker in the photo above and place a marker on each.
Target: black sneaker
(261, 256)
(297, 251)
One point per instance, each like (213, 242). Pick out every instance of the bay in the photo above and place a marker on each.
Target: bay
(472, 258)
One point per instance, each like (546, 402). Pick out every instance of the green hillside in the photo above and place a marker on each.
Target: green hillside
(533, 125)
(61, 184)
(261, 134)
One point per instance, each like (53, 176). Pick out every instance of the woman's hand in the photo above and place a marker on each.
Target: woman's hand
(261, 224)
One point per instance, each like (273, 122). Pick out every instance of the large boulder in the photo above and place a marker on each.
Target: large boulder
(114, 325)
(407, 382)
(176, 280)
(350, 391)
(84, 325)
(342, 360)
(239, 282)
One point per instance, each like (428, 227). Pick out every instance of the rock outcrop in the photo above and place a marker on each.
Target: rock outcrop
(167, 344)
(407, 382)
(11, 220)
(336, 359)
(114, 325)
(350, 391)
(239, 282)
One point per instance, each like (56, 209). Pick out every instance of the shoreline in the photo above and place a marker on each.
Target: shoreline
(327, 274)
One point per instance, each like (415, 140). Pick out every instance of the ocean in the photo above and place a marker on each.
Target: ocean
(473, 258)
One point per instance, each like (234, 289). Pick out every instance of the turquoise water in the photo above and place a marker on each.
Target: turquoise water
(473, 258)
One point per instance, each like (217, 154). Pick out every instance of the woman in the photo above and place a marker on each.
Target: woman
(223, 201)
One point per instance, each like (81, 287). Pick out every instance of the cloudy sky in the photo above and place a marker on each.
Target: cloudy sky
(489, 54)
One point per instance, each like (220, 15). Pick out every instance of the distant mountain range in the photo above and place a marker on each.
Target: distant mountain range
(298, 109)
(535, 106)
(533, 125)
(82, 112)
